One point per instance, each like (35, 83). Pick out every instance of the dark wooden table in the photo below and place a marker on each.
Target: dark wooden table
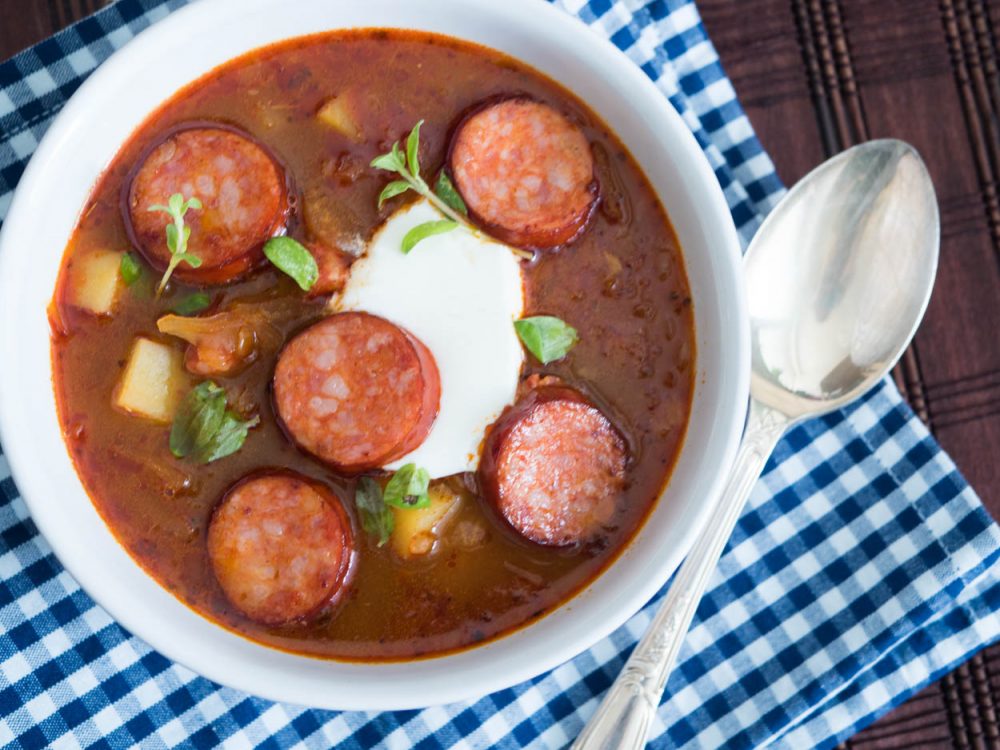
(816, 76)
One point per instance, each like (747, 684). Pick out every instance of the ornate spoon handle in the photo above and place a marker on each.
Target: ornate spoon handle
(623, 718)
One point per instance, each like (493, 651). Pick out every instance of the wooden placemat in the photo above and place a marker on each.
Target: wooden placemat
(816, 76)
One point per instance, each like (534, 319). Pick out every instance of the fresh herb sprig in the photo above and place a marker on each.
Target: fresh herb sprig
(376, 517)
(205, 428)
(129, 269)
(547, 337)
(178, 234)
(408, 488)
(193, 303)
(293, 258)
(444, 197)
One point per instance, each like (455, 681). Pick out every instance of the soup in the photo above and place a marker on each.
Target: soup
(365, 389)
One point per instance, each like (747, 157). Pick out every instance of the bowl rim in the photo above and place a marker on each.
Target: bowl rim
(27, 471)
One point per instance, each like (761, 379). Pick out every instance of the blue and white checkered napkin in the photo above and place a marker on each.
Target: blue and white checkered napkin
(863, 568)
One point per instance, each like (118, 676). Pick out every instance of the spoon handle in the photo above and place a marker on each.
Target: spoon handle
(623, 718)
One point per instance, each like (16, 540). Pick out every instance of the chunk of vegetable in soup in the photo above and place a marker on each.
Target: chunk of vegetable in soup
(264, 525)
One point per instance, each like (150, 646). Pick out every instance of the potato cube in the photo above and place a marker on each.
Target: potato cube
(417, 529)
(94, 281)
(153, 381)
(339, 113)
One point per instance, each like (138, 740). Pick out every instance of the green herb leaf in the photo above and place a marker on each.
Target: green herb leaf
(547, 337)
(408, 488)
(294, 259)
(193, 303)
(394, 188)
(192, 260)
(376, 517)
(444, 197)
(130, 269)
(229, 438)
(445, 190)
(172, 235)
(413, 149)
(177, 235)
(388, 162)
(198, 419)
(204, 428)
(425, 230)
(392, 161)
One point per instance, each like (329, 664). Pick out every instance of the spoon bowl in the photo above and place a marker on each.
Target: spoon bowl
(839, 278)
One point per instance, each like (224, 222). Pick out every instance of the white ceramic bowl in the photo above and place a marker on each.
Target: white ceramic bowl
(83, 140)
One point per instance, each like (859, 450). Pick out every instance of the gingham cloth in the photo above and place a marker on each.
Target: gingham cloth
(863, 567)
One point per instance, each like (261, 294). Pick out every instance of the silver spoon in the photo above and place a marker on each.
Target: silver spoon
(838, 278)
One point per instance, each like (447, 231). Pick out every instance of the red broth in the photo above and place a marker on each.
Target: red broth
(622, 284)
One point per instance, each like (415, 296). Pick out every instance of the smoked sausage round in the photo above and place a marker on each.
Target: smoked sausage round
(356, 391)
(553, 467)
(281, 547)
(525, 172)
(243, 194)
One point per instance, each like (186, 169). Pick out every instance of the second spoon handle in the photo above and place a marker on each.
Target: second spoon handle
(623, 718)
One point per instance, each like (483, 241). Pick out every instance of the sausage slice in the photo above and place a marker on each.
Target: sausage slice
(243, 194)
(553, 466)
(525, 172)
(281, 547)
(356, 391)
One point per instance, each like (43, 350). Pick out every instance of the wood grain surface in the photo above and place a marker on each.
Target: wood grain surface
(816, 76)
